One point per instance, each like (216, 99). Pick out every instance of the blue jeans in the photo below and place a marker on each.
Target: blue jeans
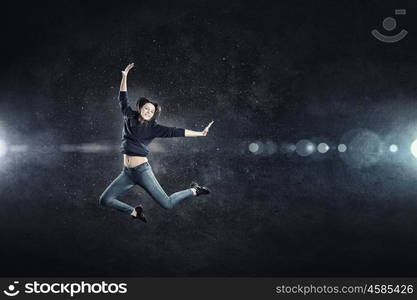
(143, 176)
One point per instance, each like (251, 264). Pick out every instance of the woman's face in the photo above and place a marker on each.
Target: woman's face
(147, 111)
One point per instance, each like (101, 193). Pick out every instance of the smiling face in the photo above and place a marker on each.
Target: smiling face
(147, 111)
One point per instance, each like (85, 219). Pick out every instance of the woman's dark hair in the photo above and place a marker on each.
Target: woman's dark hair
(141, 102)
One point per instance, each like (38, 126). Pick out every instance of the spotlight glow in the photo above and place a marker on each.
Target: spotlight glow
(89, 148)
(393, 148)
(342, 148)
(3, 148)
(413, 148)
(323, 148)
(18, 148)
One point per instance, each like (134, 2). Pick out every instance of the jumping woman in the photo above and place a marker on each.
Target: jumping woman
(140, 128)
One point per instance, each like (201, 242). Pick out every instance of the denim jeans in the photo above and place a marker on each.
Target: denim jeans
(143, 176)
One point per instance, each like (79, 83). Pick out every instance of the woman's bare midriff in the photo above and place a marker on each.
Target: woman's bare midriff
(133, 161)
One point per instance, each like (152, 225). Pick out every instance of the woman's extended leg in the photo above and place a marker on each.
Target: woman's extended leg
(147, 180)
(120, 185)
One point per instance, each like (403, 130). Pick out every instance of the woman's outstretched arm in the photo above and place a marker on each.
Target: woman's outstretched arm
(123, 83)
(192, 133)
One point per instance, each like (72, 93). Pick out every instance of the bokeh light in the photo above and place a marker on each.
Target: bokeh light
(304, 147)
(254, 147)
(323, 148)
(342, 148)
(393, 148)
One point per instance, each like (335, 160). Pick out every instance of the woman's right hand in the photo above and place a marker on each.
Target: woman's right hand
(127, 69)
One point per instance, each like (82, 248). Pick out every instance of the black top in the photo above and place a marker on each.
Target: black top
(136, 136)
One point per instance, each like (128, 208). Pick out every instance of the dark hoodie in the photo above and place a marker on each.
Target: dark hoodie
(136, 136)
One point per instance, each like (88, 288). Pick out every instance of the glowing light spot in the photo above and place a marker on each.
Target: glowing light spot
(393, 148)
(253, 147)
(323, 148)
(342, 148)
(304, 147)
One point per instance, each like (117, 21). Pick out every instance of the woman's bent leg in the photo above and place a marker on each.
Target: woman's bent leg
(120, 185)
(148, 181)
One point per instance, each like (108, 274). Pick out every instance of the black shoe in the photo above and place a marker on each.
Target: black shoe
(201, 190)
(139, 214)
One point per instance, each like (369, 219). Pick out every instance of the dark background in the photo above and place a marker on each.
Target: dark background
(277, 71)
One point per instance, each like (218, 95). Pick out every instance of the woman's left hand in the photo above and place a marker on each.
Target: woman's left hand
(205, 131)
(127, 69)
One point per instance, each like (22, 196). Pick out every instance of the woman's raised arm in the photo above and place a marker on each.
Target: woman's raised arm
(124, 106)
(123, 83)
